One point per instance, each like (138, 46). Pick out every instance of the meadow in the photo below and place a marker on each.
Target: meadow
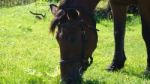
(29, 54)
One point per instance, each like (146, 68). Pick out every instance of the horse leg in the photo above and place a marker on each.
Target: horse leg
(119, 17)
(145, 18)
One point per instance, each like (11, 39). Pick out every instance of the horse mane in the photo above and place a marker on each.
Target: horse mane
(56, 20)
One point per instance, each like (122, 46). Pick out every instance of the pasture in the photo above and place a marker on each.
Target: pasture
(29, 54)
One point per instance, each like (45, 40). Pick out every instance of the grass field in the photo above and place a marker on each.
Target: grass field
(30, 55)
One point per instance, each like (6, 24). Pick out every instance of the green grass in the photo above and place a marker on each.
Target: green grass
(30, 55)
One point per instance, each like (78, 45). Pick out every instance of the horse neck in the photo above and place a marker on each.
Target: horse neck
(86, 4)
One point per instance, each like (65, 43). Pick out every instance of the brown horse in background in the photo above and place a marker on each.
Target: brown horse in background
(119, 9)
(77, 36)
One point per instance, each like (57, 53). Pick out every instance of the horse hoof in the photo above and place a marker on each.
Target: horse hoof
(115, 66)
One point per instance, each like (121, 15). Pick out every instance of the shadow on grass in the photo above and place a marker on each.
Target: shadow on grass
(93, 82)
(142, 75)
(102, 14)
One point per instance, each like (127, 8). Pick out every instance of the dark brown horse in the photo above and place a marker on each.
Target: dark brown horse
(119, 9)
(77, 35)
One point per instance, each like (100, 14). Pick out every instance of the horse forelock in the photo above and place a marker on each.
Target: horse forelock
(53, 25)
(60, 13)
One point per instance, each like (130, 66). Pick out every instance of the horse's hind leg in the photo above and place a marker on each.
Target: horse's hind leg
(145, 17)
(119, 15)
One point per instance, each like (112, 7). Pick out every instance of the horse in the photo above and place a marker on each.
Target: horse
(119, 10)
(77, 37)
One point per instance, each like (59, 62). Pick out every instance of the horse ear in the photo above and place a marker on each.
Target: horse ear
(73, 14)
(54, 9)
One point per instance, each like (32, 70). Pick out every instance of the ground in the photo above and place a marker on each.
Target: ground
(29, 54)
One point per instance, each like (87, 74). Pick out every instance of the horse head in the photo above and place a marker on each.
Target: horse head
(77, 39)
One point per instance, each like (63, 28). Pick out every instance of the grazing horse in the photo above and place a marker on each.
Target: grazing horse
(76, 36)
